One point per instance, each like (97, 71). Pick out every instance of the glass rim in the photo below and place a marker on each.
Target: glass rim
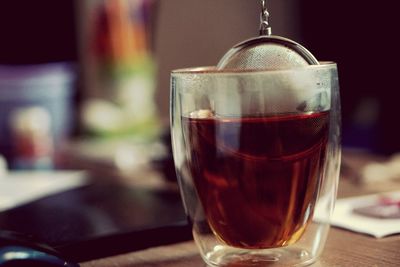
(212, 70)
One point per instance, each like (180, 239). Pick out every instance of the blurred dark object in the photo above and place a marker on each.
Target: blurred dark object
(19, 251)
(360, 38)
(38, 31)
(101, 220)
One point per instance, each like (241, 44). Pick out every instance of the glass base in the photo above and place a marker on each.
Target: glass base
(230, 257)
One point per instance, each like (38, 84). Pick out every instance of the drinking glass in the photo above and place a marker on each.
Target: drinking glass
(257, 157)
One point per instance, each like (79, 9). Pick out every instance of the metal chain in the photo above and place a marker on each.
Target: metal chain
(265, 28)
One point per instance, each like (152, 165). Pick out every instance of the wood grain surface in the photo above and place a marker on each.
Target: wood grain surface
(343, 248)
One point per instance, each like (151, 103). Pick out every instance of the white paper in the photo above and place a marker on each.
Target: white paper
(18, 188)
(344, 216)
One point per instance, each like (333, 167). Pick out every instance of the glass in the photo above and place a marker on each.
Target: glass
(257, 156)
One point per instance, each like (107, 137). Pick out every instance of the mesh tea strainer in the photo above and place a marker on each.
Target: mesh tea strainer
(266, 51)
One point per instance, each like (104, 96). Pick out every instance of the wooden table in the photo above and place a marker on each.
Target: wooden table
(343, 248)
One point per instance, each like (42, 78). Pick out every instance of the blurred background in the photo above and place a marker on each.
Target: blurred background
(85, 85)
(95, 41)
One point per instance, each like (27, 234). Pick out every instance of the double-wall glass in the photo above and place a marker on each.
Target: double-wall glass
(257, 156)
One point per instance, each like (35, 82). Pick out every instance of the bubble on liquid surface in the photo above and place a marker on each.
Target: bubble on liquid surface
(202, 114)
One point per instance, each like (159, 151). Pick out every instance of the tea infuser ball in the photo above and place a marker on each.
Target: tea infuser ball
(266, 51)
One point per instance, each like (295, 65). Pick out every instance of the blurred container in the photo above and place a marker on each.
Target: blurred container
(32, 142)
(118, 68)
(46, 86)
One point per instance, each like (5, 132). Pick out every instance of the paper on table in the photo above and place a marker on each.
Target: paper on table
(345, 217)
(18, 188)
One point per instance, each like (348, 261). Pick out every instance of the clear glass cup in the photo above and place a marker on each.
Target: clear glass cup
(257, 156)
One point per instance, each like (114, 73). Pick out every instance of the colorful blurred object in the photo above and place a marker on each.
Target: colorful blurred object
(32, 143)
(118, 68)
(36, 111)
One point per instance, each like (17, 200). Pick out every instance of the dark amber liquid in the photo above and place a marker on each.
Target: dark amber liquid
(258, 177)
